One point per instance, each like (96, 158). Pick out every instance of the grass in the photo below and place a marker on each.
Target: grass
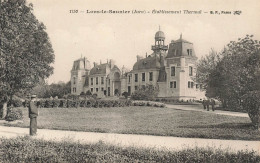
(26, 149)
(145, 120)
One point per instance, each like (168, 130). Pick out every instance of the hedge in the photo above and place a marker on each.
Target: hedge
(70, 103)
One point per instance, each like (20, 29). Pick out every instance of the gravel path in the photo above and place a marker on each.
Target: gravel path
(126, 140)
(200, 109)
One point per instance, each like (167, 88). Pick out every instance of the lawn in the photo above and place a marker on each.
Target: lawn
(145, 120)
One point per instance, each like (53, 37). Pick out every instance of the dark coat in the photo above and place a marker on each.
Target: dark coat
(33, 110)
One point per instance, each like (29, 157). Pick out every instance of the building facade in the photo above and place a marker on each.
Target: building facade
(171, 68)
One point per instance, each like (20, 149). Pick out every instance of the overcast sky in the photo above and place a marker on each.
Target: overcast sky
(123, 36)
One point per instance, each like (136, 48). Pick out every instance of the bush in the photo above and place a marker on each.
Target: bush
(48, 103)
(88, 93)
(70, 104)
(72, 97)
(149, 92)
(55, 103)
(148, 103)
(251, 104)
(17, 103)
(125, 94)
(14, 114)
(63, 103)
(41, 103)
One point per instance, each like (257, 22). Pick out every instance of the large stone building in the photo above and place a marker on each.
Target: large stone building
(171, 68)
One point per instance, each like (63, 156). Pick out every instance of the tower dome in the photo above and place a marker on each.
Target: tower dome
(159, 42)
(159, 35)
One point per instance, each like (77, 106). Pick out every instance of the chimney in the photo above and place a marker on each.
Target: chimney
(95, 64)
(112, 63)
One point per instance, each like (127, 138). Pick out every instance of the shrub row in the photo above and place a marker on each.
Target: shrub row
(148, 103)
(64, 103)
(26, 149)
(174, 100)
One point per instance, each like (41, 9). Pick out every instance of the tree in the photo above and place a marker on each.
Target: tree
(125, 94)
(236, 74)
(57, 89)
(206, 66)
(149, 92)
(26, 51)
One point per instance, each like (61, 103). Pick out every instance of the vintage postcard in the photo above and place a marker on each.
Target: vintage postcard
(130, 81)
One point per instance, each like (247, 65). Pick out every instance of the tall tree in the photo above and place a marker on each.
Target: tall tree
(26, 51)
(237, 74)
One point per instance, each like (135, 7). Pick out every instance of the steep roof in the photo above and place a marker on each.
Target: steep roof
(81, 63)
(99, 69)
(147, 63)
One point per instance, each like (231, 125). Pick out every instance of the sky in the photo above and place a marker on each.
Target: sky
(122, 37)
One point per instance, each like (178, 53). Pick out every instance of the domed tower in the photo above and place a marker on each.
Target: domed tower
(159, 46)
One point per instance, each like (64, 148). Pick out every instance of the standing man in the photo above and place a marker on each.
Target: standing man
(33, 113)
(207, 104)
(212, 104)
(204, 104)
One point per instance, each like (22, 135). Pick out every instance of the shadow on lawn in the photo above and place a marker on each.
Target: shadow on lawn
(223, 126)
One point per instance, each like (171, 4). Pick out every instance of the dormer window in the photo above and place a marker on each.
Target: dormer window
(189, 51)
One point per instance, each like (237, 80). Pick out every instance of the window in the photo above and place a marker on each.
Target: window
(174, 84)
(197, 86)
(136, 77)
(96, 89)
(143, 76)
(190, 71)
(102, 80)
(129, 78)
(91, 81)
(102, 89)
(189, 51)
(150, 76)
(74, 89)
(74, 80)
(172, 71)
(96, 80)
(108, 81)
(136, 87)
(91, 89)
(190, 84)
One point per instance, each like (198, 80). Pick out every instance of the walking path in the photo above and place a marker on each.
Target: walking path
(200, 108)
(127, 140)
